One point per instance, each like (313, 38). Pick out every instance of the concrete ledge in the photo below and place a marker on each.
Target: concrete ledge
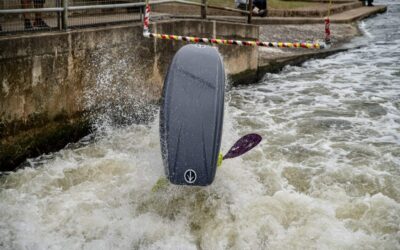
(358, 14)
(317, 12)
(276, 65)
(348, 16)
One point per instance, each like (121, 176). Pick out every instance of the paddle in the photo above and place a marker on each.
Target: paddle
(243, 145)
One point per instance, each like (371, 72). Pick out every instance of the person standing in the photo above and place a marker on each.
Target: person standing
(259, 6)
(38, 22)
(367, 2)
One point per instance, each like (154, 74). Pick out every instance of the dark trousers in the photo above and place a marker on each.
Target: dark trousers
(367, 2)
(261, 4)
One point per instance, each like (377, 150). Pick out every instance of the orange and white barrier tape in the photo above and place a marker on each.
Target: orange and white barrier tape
(191, 39)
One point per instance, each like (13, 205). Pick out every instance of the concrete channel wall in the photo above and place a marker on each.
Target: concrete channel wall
(50, 81)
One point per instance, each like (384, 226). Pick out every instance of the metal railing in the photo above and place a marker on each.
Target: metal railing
(65, 14)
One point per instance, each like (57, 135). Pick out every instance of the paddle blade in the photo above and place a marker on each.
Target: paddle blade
(243, 145)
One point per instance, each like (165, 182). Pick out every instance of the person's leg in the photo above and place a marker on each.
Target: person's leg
(261, 5)
(26, 4)
(38, 16)
(1, 21)
(370, 2)
(264, 12)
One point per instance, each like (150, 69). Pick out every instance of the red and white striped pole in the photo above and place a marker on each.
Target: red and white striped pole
(146, 20)
(327, 30)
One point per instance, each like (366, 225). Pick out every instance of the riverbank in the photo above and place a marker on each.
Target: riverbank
(272, 60)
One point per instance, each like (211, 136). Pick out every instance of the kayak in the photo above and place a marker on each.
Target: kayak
(191, 115)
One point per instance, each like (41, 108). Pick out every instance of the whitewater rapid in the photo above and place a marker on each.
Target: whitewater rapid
(326, 175)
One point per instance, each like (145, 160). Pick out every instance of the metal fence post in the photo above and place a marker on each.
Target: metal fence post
(65, 14)
(204, 9)
(58, 4)
(141, 12)
(250, 9)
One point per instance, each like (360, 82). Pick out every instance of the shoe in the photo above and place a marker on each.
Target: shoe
(262, 13)
(370, 5)
(40, 23)
(28, 24)
(256, 11)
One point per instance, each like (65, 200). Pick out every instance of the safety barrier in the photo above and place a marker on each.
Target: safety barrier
(65, 14)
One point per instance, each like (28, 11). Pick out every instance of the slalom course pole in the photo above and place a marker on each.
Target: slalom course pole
(191, 39)
(327, 25)
(146, 19)
(327, 31)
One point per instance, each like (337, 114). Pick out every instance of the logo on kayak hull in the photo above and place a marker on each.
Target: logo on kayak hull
(190, 176)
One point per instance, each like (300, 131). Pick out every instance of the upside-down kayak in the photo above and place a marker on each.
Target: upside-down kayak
(191, 115)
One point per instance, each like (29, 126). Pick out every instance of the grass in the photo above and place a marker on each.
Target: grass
(279, 4)
(224, 3)
(275, 4)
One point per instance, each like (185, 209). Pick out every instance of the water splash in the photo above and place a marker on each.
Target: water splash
(118, 97)
(326, 176)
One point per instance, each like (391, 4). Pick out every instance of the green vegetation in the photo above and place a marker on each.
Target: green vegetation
(279, 4)
(275, 4)
(224, 3)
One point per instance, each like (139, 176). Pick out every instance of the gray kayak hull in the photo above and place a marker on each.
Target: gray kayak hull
(191, 115)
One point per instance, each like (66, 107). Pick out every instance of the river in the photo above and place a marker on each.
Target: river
(326, 175)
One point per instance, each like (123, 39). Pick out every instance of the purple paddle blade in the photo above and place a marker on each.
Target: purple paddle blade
(243, 145)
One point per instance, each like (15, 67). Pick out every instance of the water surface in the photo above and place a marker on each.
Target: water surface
(326, 176)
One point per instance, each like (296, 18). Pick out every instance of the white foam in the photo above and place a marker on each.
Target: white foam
(326, 176)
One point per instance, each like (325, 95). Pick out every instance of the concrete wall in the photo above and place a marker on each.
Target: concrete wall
(50, 81)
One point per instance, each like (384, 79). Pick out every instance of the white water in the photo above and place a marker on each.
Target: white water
(326, 176)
